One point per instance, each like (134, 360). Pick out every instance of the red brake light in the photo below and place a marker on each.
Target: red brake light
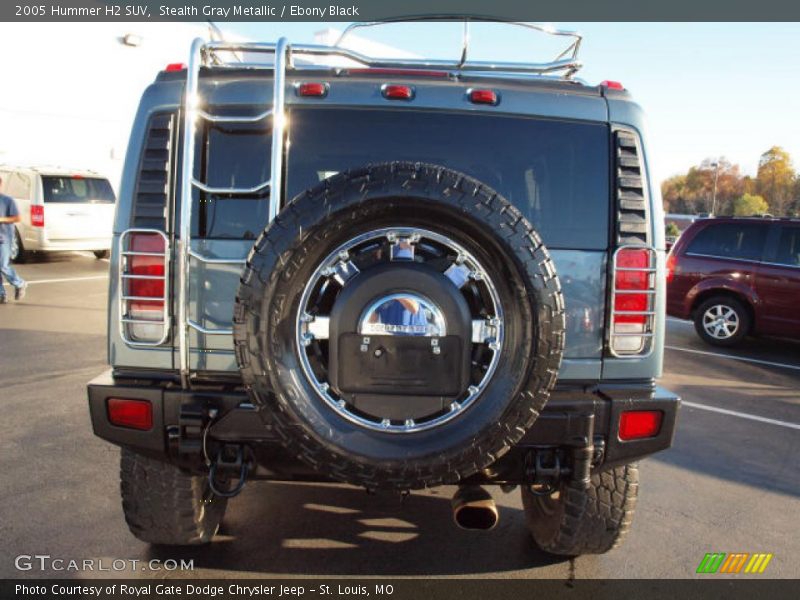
(638, 424)
(671, 260)
(397, 92)
(632, 258)
(142, 264)
(37, 215)
(319, 90)
(483, 97)
(134, 414)
(612, 85)
(172, 67)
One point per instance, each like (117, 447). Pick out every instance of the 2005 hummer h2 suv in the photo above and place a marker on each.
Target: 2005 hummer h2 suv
(392, 273)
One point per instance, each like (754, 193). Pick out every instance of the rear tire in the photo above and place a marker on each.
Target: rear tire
(577, 521)
(424, 197)
(102, 254)
(722, 321)
(166, 505)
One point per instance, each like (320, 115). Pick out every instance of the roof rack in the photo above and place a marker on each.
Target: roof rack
(565, 63)
(281, 60)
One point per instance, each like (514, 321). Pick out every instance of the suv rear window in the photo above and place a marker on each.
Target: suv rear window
(555, 172)
(730, 240)
(77, 189)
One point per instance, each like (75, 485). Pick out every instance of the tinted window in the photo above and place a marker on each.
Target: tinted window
(232, 156)
(77, 189)
(555, 172)
(730, 240)
(789, 247)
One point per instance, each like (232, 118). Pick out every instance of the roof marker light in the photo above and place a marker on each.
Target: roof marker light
(483, 97)
(397, 92)
(612, 85)
(312, 89)
(172, 67)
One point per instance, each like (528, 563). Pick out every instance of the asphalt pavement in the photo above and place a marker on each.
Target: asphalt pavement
(731, 483)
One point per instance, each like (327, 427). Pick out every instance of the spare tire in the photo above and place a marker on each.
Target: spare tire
(399, 326)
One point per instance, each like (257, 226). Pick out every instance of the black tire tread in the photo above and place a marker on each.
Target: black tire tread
(165, 505)
(275, 254)
(591, 520)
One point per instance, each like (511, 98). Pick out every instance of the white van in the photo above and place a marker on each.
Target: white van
(60, 210)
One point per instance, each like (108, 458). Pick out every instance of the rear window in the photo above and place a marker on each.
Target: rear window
(555, 172)
(77, 190)
(789, 247)
(730, 240)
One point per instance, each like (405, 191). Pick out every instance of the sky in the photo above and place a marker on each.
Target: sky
(709, 89)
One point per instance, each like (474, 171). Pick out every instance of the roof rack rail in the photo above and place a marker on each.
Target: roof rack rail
(566, 63)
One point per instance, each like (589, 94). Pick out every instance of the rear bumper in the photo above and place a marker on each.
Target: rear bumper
(575, 416)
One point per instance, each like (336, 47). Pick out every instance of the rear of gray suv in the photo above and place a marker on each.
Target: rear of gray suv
(395, 275)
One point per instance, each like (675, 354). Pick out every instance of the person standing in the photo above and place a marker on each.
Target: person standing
(9, 214)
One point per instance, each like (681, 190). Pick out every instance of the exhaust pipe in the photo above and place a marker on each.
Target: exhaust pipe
(474, 508)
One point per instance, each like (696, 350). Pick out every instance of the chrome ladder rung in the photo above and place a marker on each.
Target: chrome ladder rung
(216, 261)
(234, 118)
(230, 191)
(161, 322)
(206, 331)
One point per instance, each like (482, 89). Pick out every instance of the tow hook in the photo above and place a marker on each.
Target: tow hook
(229, 462)
(544, 471)
(545, 468)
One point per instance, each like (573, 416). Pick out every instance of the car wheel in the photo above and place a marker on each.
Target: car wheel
(722, 321)
(18, 253)
(400, 326)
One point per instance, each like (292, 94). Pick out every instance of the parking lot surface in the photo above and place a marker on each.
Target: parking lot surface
(731, 483)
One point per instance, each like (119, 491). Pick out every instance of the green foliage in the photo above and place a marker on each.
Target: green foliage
(749, 204)
(672, 230)
(777, 186)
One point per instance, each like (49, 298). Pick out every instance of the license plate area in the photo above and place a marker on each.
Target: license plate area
(400, 365)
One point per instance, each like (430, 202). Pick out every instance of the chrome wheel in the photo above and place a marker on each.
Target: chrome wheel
(721, 322)
(399, 312)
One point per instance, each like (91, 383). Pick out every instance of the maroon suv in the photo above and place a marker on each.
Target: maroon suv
(736, 277)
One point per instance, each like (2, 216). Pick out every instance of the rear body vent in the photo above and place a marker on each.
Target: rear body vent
(154, 179)
(633, 224)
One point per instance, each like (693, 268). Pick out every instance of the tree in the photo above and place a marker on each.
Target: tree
(776, 180)
(748, 205)
(672, 230)
(693, 193)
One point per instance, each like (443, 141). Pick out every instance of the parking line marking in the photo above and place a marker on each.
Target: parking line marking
(67, 279)
(742, 358)
(741, 415)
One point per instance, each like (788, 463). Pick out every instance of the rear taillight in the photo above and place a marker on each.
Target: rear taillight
(632, 301)
(671, 260)
(144, 260)
(639, 424)
(37, 215)
(134, 414)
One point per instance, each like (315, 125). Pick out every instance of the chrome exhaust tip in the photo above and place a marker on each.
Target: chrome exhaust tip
(474, 509)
